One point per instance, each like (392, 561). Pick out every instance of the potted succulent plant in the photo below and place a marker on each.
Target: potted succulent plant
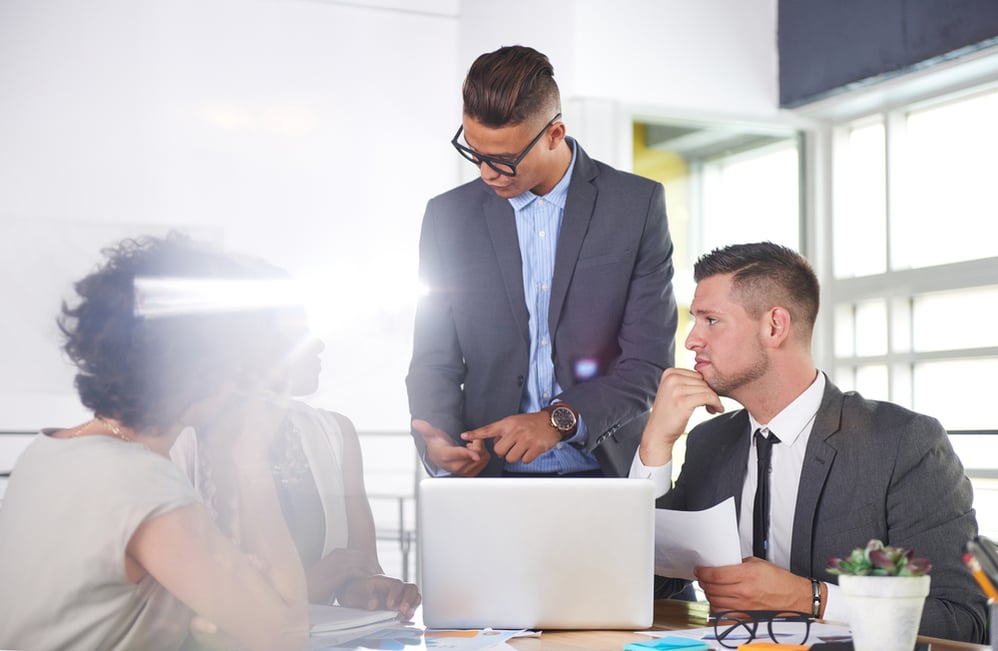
(885, 588)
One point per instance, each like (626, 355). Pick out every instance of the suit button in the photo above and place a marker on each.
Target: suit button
(519, 380)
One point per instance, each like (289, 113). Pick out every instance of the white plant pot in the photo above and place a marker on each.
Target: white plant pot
(884, 611)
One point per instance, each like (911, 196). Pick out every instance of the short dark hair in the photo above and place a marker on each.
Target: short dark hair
(764, 275)
(140, 370)
(510, 86)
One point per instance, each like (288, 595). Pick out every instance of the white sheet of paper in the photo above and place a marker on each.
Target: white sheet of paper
(685, 539)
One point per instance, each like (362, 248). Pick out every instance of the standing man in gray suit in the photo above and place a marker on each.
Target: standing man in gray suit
(843, 469)
(550, 313)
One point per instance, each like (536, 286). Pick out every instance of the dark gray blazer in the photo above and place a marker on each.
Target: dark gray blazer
(612, 304)
(871, 470)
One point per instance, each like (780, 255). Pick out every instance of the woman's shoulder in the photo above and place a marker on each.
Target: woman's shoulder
(122, 481)
(325, 418)
(94, 455)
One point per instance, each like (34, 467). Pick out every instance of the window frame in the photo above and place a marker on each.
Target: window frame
(890, 101)
(897, 287)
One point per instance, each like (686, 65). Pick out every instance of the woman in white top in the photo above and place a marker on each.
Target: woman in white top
(104, 544)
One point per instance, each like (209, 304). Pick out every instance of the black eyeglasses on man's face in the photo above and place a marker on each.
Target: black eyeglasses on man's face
(732, 628)
(500, 165)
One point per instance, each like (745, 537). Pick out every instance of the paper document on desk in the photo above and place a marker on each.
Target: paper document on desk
(417, 639)
(686, 539)
(334, 625)
(329, 619)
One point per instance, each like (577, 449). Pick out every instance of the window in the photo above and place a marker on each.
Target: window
(860, 235)
(912, 304)
(945, 175)
(915, 254)
(749, 196)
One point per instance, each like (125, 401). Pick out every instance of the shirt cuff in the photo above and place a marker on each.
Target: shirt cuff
(660, 476)
(580, 432)
(836, 610)
(431, 468)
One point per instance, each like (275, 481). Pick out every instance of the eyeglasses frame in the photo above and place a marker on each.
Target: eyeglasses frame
(474, 157)
(754, 619)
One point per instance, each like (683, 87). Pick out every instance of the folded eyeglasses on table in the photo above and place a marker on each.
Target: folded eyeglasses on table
(733, 628)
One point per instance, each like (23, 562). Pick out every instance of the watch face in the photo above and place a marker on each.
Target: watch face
(563, 418)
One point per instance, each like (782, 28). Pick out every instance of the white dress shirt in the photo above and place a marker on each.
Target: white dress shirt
(793, 427)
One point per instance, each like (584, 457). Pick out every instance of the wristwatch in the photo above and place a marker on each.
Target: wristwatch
(563, 418)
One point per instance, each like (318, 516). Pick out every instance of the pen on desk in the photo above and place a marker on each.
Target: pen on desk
(982, 579)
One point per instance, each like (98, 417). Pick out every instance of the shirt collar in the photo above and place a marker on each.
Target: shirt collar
(796, 417)
(558, 194)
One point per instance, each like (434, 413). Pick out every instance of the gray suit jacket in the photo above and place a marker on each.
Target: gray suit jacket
(871, 470)
(612, 304)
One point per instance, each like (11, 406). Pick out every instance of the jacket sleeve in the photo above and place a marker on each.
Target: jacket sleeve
(645, 338)
(929, 510)
(436, 370)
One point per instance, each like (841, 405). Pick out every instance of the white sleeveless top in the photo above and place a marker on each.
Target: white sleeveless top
(322, 443)
(69, 511)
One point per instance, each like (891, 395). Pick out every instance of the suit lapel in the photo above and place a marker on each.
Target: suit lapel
(579, 206)
(733, 454)
(501, 222)
(818, 460)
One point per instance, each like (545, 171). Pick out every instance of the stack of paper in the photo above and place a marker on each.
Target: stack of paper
(332, 625)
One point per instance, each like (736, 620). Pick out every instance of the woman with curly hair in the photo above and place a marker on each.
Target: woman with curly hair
(104, 543)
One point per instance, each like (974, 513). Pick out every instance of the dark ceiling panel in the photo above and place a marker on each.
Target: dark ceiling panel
(827, 46)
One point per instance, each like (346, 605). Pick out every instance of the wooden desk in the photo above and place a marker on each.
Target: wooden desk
(669, 616)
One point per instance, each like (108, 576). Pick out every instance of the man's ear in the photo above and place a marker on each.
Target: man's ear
(555, 135)
(776, 326)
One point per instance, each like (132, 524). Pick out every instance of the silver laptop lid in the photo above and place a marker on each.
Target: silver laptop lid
(569, 553)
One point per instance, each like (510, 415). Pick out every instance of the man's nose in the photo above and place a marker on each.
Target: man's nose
(488, 174)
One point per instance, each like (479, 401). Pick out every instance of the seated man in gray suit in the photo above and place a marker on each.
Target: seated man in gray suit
(843, 469)
(550, 313)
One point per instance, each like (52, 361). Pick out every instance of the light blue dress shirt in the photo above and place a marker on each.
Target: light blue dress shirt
(538, 224)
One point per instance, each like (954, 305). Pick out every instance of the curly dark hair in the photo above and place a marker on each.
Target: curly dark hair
(140, 369)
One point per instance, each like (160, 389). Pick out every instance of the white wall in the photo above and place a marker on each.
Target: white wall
(710, 59)
(711, 56)
(310, 132)
(714, 56)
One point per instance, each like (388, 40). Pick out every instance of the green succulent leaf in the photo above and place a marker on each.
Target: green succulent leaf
(878, 559)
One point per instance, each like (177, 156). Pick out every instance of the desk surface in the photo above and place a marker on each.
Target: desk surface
(669, 615)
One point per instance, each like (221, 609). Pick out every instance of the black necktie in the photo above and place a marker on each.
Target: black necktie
(760, 514)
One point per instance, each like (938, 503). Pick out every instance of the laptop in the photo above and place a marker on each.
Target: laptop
(539, 553)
